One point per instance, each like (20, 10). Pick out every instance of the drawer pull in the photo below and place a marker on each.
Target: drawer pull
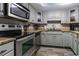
(75, 40)
(2, 51)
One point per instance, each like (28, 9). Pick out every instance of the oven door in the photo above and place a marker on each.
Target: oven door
(25, 46)
(18, 11)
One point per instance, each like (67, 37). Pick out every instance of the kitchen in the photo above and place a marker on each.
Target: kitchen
(39, 29)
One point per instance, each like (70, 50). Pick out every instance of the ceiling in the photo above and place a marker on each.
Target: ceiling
(50, 6)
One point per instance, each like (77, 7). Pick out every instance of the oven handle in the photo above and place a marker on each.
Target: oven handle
(26, 38)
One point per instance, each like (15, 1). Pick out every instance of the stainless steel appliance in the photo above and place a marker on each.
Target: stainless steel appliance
(25, 46)
(10, 30)
(26, 43)
(7, 49)
(15, 10)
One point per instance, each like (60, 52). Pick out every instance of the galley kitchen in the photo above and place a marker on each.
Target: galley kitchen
(39, 29)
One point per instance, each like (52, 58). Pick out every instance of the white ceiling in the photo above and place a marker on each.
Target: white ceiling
(50, 6)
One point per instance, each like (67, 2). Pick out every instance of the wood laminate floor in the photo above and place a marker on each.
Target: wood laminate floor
(49, 51)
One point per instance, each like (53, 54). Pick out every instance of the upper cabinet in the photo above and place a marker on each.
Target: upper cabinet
(35, 15)
(71, 15)
(32, 14)
(54, 15)
(39, 16)
(66, 18)
(25, 5)
(44, 17)
(74, 15)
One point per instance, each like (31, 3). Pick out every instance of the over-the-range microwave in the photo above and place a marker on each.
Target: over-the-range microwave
(15, 10)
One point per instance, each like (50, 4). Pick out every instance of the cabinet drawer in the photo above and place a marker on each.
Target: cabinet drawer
(6, 48)
(10, 53)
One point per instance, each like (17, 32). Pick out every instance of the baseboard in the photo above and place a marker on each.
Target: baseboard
(55, 46)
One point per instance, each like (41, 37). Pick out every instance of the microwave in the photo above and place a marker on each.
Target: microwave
(14, 10)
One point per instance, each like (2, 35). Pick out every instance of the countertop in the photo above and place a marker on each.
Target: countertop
(76, 32)
(34, 30)
(4, 40)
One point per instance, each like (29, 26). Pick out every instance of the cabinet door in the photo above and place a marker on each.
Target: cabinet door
(43, 39)
(59, 40)
(32, 14)
(0, 7)
(50, 39)
(54, 40)
(70, 40)
(75, 46)
(25, 4)
(78, 45)
(10, 53)
(65, 40)
(75, 43)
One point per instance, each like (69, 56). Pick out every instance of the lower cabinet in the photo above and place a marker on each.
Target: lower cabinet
(43, 39)
(65, 39)
(78, 45)
(75, 47)
(51, 39)
(75, 43)
(54, 40)
(71, 40)
(10, 53)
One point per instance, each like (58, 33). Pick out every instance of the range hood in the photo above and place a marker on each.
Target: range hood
(54, 21)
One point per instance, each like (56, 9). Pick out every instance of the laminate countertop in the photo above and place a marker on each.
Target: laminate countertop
(76, 32)
(4, 40)
(34, 31)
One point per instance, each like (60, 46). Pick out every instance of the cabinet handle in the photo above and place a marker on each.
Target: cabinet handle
(75, 40)
(2, 51)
